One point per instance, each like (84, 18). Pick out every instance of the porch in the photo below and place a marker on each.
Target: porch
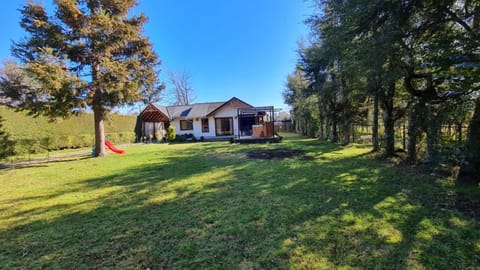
(255, 123)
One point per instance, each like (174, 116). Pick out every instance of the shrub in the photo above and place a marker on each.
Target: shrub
(180, 138)
(127, 137)
(64, 141)
(113, 137)
(27, 147)
(47, 143)
(171, 134)
(86, 140)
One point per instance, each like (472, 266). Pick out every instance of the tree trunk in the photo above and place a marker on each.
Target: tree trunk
(470, 169)
(458, 127)
(375, 124)
(321, 134)
(412, 134)
(99, 117)
(346, 132)
(305, 127)
(353, 132)
(431, 128)
(334, 130)
(389, 121)
(328, 125)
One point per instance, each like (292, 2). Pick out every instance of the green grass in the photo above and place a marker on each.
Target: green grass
(206, 205)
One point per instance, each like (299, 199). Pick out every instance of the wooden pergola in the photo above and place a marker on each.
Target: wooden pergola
(157, 119)
(153, 114)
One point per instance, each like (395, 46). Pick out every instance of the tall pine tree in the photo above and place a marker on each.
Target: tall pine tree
(88, 53)
(6, 144)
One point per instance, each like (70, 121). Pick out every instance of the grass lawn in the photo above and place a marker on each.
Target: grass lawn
(207, 205)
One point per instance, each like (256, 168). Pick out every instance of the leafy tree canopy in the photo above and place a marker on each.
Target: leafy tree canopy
(87, 53)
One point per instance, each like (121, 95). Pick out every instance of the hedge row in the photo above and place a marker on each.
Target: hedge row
(22, 126)
(25, 146)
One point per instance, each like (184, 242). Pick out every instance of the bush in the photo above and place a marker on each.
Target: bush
(64, 142)
(47, 143)
(171, 134)
(86, 140)
(27, 147)
(127, 137)
(180, 138)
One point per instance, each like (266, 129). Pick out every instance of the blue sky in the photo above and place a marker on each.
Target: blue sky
(242, 48)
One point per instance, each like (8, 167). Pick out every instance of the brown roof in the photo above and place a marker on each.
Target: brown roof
(232, 100)
(158, 113)
(154, 113)
(197, 110)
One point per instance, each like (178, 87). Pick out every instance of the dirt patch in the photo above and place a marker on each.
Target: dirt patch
(278, 154)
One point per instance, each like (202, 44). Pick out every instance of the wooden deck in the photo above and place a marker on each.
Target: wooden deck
(257, 140)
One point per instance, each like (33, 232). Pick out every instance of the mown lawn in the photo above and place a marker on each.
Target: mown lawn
(207, 205)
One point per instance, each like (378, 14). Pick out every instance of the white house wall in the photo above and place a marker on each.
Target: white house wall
(225, 111)
(228, 111)
(197, 127)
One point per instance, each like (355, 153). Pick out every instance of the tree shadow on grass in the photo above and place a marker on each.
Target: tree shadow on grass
(192, 212)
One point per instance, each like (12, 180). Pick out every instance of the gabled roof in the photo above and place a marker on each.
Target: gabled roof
(230, 101)
(197, 110)
(157, 113)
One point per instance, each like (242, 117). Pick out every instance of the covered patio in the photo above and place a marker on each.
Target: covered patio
(256, 124)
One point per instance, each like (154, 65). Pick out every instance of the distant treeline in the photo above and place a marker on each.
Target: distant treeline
(39, 134)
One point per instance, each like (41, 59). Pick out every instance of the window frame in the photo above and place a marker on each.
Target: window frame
(205, 128)
(186, 121)
(231, 126)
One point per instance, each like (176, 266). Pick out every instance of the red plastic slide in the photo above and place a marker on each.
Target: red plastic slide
(113, 148)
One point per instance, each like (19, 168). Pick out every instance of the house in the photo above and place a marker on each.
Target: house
(213, 120)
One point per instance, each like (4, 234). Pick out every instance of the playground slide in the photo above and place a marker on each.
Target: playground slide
(113, 148)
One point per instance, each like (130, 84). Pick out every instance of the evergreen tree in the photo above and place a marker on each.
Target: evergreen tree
(89, 53)
(6, 144)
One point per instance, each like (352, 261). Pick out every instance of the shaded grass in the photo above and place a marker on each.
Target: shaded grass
(206, 205)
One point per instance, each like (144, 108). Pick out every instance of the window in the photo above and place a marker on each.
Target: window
(186, 124)
(205, 128)
(224, 126)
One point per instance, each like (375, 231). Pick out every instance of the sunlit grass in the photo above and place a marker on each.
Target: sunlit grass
(206, 205)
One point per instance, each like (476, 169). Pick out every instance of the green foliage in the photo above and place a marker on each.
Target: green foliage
(85, 54)
(47, 143)
(208, 206)
(74, 132)
(189, 137)
(120, 137)
(397, 55)
(305, 112)
(6, 144)
(171, 133)
(27, 147)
